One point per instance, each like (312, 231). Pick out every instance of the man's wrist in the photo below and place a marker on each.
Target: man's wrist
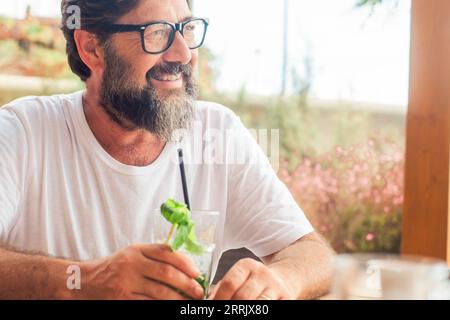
(71, 279)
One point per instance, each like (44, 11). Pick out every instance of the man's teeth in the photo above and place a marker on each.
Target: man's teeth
(168, 77)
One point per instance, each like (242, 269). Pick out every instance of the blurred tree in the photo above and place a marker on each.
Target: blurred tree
(373, 3)
(302, 80)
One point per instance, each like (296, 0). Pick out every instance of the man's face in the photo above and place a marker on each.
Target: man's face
(148, 91)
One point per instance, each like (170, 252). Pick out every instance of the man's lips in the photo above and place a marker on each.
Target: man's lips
(167, 77)
(168, 81)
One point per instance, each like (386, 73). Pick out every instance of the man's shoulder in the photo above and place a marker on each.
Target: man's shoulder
(215, 114)
(35, 110)
(41, 104)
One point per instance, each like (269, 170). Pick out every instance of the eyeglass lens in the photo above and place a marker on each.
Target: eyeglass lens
(158, 36)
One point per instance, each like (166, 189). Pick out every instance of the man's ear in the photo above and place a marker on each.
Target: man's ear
(90, 51)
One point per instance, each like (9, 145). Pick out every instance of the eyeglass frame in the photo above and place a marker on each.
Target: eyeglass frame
(122, 28)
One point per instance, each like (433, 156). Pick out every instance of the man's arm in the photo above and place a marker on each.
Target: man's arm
(302, 270)
(147, 271)
(31, 276)
(306, 266)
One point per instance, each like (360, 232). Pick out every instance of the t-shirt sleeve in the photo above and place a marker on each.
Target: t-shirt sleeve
(13, 161)
(262, 215)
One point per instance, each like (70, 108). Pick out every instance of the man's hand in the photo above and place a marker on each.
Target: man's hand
(302, 270)
(249, 279)
(141, 272)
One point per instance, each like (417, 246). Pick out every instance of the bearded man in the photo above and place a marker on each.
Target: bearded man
(81, 173)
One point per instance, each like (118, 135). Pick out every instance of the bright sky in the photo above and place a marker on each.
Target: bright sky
(353, 56)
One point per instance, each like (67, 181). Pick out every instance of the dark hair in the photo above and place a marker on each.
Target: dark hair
(96, 16)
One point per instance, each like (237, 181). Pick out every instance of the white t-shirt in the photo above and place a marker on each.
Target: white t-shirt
(63, 194)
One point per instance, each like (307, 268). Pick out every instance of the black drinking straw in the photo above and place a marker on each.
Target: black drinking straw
(183, 178)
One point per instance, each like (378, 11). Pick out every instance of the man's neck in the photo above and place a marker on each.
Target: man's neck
(132, 147)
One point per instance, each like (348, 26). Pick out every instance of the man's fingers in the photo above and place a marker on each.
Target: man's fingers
(213, 291)
(138, 296)
(165, 254)
(160, 291)
(251, 289)
(168, 274)
(231, 282)
(268, 294)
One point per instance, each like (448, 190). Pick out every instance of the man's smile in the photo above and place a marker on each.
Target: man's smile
(167, 81)
(168, 77)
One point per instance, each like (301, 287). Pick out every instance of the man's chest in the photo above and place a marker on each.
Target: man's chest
(88, 213)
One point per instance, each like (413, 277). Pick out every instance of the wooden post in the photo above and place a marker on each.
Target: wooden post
(427, 175)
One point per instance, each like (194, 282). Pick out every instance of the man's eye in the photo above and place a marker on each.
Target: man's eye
(158, 33)
(189, 28)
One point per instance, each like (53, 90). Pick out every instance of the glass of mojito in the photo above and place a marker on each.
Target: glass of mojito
(195, 238)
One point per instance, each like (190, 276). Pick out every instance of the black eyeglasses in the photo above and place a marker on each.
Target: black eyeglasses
(158, 36)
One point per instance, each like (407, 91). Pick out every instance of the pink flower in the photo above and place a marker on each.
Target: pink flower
(366, 177)
(370, 237)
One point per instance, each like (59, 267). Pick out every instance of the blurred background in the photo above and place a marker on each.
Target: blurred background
(332, 76)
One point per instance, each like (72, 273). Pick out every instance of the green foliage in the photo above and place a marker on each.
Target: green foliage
(353, 195)
(175, 212)
(179, 216)
(372, 3)
(201, 279)
(342, 163)
(7, 22)
(207, 72)
(378, 233)
(191, 244)
(183, 230)
(33, 30)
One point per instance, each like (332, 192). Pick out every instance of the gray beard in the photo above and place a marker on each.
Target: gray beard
(134, 107)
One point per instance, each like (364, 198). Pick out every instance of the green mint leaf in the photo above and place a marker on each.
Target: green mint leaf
(193, 247)
(201, 279)
(181, 236)
(174, 212)
(178, 214)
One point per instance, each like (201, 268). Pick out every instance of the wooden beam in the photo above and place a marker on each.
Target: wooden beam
(427, 175)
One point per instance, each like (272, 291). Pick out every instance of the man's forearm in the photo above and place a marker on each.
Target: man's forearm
(32, 276)
(306, 266)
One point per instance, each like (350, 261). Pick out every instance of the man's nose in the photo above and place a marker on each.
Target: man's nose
(179, 51)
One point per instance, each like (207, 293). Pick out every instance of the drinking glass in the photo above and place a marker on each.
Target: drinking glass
(206, 232)
(389, 277)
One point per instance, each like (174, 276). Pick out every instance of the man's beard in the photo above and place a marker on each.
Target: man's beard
(135, 107)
